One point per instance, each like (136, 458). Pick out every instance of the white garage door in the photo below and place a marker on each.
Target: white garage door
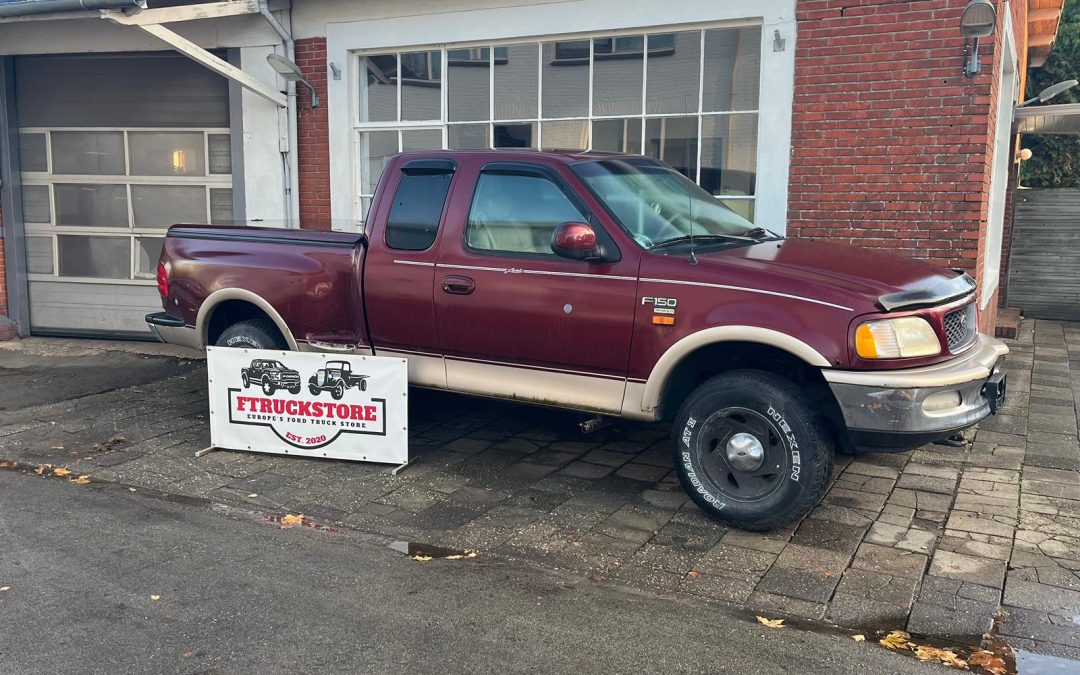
(113, 151)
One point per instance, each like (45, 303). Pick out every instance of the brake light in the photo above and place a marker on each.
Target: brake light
(163, 281)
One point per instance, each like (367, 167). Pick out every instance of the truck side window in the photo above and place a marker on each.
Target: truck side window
(417, 209)
(517, 213)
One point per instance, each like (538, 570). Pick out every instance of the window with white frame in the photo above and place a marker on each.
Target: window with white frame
(97, 202)
(689, 98)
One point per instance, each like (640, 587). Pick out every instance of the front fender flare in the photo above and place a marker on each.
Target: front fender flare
(654, 386)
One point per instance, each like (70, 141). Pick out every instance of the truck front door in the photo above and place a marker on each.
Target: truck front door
(515, 319)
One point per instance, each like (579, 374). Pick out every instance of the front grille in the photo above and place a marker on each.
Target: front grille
(960, 327)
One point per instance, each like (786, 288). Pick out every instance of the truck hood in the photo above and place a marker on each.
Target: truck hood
(862, 279)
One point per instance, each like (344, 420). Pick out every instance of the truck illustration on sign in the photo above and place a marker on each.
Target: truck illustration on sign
(270, 375)
(336, 377)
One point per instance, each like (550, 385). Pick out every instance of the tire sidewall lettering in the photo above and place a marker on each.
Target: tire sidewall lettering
(793, 444)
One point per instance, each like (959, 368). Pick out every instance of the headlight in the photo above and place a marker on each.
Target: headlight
(896, 339)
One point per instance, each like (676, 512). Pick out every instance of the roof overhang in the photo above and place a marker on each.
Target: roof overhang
(1049, 119)
(1043, 21)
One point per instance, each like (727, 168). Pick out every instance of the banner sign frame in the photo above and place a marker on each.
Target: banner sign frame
(311, 404)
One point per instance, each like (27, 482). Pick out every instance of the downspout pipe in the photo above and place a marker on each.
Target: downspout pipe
(291, 163)
(33, 7)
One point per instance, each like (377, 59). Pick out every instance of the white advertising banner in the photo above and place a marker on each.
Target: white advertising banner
(315, 405)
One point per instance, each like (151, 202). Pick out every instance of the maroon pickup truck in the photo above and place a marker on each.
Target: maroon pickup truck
(613, 285)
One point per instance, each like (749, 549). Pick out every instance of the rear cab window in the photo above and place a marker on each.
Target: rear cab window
(415, 213)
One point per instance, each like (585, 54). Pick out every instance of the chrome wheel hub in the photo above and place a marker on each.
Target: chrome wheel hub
(745, 452)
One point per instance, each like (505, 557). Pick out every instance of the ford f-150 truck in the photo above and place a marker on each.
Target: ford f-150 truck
(613, 285)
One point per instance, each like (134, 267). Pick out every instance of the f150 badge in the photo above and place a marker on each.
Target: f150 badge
(663, 309)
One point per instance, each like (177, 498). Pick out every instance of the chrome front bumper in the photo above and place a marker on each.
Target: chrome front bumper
(906, 408)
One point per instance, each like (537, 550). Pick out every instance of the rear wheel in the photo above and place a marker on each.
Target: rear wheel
(252, 334)
(245, 380)
(363, 385)
(750, 450)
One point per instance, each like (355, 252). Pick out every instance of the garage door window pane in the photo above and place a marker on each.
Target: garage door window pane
(566, 79)
(160, 206)
(167, 154)
(567, 135)
(147, 253)
(88, 152)
(516, 82)
(91, 205)
(421, 85)
(220, 153)
(378, 88)
(617, 72)
(674, 65)
(729, 154)
(468, 75)
(732, 67)
(673, 140)
(423, 139)
(36, 208)
(467, 136)
(39, 255)
(221, 206)
(376, 147)
(32, 156)
(99, 257)
(617, 135)
(515, 135)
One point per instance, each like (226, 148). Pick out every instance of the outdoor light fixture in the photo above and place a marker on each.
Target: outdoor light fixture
(978, 21)
(291, 72)
(1049, 93)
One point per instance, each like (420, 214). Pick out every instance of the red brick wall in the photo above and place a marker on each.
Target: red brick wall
(892, 144)
(313, 137)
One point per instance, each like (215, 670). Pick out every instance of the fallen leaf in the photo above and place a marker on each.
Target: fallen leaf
(421, 558)
(132, 490)
(694, 574)
(188, 655)
(4, 588)
(945, 656)
(988, 661)
(57, 447)
(61, 471)
(4, 465)
(155, 597)
(41, 469)
(771, 623)
(289, 520)
(897, 639)
(253, 495)
(81, 480)
(858, 638)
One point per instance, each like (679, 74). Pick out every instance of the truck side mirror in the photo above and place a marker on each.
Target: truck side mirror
(576, 241)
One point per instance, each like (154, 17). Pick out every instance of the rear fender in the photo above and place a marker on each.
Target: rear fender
(202, 322)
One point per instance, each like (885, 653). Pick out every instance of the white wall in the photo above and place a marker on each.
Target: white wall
(377, 24)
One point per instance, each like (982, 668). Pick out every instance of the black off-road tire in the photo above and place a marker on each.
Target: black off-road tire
(252, 334)
(792, 436)
(268, 387)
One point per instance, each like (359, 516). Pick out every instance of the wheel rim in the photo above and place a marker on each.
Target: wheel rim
(266, 387)
(742, 454)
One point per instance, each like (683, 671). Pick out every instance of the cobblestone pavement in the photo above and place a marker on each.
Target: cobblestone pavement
(938, 540)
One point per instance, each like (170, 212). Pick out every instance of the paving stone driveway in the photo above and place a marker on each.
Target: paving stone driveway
(937, 540)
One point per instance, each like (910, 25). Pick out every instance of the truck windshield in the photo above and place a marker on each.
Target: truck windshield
(656, 204)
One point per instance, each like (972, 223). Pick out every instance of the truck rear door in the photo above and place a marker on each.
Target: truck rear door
(399, 270)
(517, 320)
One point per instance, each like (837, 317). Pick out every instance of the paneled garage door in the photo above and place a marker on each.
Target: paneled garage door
(113, 151)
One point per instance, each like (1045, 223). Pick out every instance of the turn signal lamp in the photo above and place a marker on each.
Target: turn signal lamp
(902, 338)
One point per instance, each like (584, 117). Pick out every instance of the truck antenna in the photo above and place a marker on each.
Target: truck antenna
(692, 259)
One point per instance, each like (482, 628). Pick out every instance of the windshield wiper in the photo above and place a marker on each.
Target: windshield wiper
(698, 237)
(760, 233)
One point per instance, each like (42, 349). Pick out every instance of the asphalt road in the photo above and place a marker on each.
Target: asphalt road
(240, 595)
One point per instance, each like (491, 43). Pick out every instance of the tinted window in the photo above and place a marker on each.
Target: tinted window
(416, 211)
(517, 213)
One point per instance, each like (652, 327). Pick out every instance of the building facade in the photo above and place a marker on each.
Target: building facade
(851, 121)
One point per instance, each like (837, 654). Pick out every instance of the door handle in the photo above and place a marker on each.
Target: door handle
(456, 285)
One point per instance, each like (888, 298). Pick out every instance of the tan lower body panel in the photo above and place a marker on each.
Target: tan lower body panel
(544, 387)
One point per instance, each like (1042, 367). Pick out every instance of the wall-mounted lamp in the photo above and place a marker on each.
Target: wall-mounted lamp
(1024, 155)
(978, 21)
(1049, 93)
(291, 72)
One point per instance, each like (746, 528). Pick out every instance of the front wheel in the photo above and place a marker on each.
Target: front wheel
(313, 389)
(338, 391)
(750, 450)
(268, 387)
(294, 390)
